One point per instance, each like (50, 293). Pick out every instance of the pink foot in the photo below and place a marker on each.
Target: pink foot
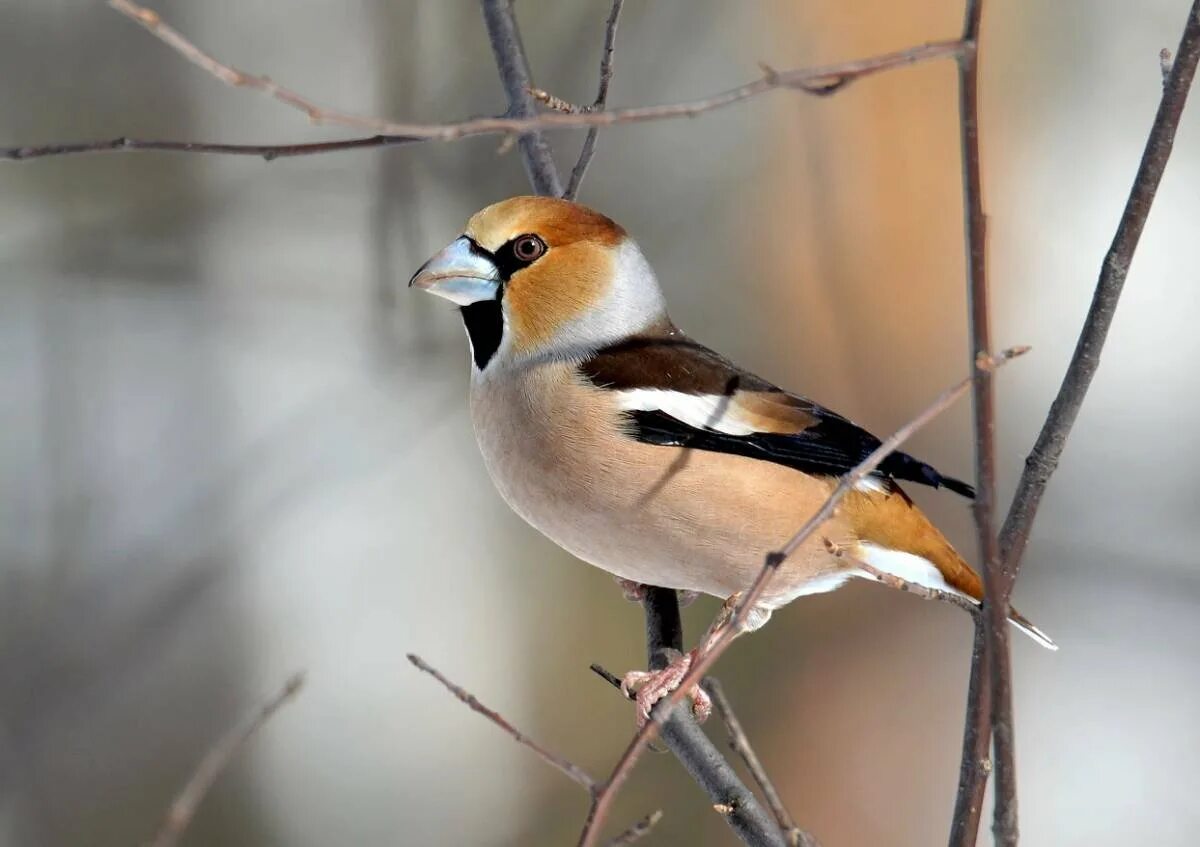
(634, 592)
(651, 686)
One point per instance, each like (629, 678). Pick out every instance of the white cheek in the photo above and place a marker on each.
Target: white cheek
(633, 302)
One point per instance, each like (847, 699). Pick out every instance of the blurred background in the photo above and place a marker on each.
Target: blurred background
(233, 446)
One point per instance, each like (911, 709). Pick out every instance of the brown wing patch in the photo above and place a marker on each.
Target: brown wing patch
(665, 358)
(894, 522)
(558, 223)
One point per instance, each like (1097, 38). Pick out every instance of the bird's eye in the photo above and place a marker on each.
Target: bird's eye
(527, 248)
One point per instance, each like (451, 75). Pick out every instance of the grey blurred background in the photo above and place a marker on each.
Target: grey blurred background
(233, 446)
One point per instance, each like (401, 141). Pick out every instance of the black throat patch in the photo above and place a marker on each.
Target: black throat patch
(485, 326)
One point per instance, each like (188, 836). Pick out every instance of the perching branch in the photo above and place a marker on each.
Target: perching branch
(723, 635)
(187, 802)
(816, 81)
(704, 763)
(740, 743)
(518, 82)
(606, 72)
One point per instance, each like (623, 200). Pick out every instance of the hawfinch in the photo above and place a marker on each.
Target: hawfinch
(644, 452)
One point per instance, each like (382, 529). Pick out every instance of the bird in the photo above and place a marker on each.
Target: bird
(643, 452)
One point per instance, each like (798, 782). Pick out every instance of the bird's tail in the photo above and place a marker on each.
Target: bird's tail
(972, 586)
(1026, 626)
(894, 536)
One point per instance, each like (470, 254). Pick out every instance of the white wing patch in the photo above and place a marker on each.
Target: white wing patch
(715, 412)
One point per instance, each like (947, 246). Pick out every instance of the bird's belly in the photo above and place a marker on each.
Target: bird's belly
(692, 520)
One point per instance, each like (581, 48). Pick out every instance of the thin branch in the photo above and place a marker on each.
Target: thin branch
(167, 34)
(740, 742)
(638, 831)
(816, 81)
(996, 588)
(267, 152)
(517, 80)
(187, 802)
(564, 766)
(976, 764)
(569, 769)
(721, 637)
(1043, 460)
(606, 72)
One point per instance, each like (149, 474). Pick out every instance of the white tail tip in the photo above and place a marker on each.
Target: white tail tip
(1032, 631)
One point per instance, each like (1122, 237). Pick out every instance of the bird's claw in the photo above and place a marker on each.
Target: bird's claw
(648, 687)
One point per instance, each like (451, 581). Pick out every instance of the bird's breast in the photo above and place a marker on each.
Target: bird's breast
(559, 453)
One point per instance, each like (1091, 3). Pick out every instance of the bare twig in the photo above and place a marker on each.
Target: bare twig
(606, 72)
(186, 803)
(809, 80)
(569, 769)
(996, 588)
(721, 637)
(517, 81)
(555, 103)
(638, 831)
(976, 763)
(1164, 64)
(564, 766)
(170, 36)
(268, 152)
(1043, 460)
(740, 742)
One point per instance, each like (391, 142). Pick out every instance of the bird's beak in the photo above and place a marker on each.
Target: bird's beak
(460, 273)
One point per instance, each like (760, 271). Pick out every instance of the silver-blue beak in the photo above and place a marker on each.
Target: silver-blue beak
(458, 273)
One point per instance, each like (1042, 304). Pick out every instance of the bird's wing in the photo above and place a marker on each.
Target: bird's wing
(680, 393)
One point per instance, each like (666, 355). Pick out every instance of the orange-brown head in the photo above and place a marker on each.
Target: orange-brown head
(541, 276)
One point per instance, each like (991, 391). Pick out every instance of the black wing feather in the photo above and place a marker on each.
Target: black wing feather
(833, 447)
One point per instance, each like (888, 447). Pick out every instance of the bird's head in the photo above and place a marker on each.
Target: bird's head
(540, 277)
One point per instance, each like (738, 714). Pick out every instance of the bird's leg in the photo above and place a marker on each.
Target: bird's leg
(651, 686)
